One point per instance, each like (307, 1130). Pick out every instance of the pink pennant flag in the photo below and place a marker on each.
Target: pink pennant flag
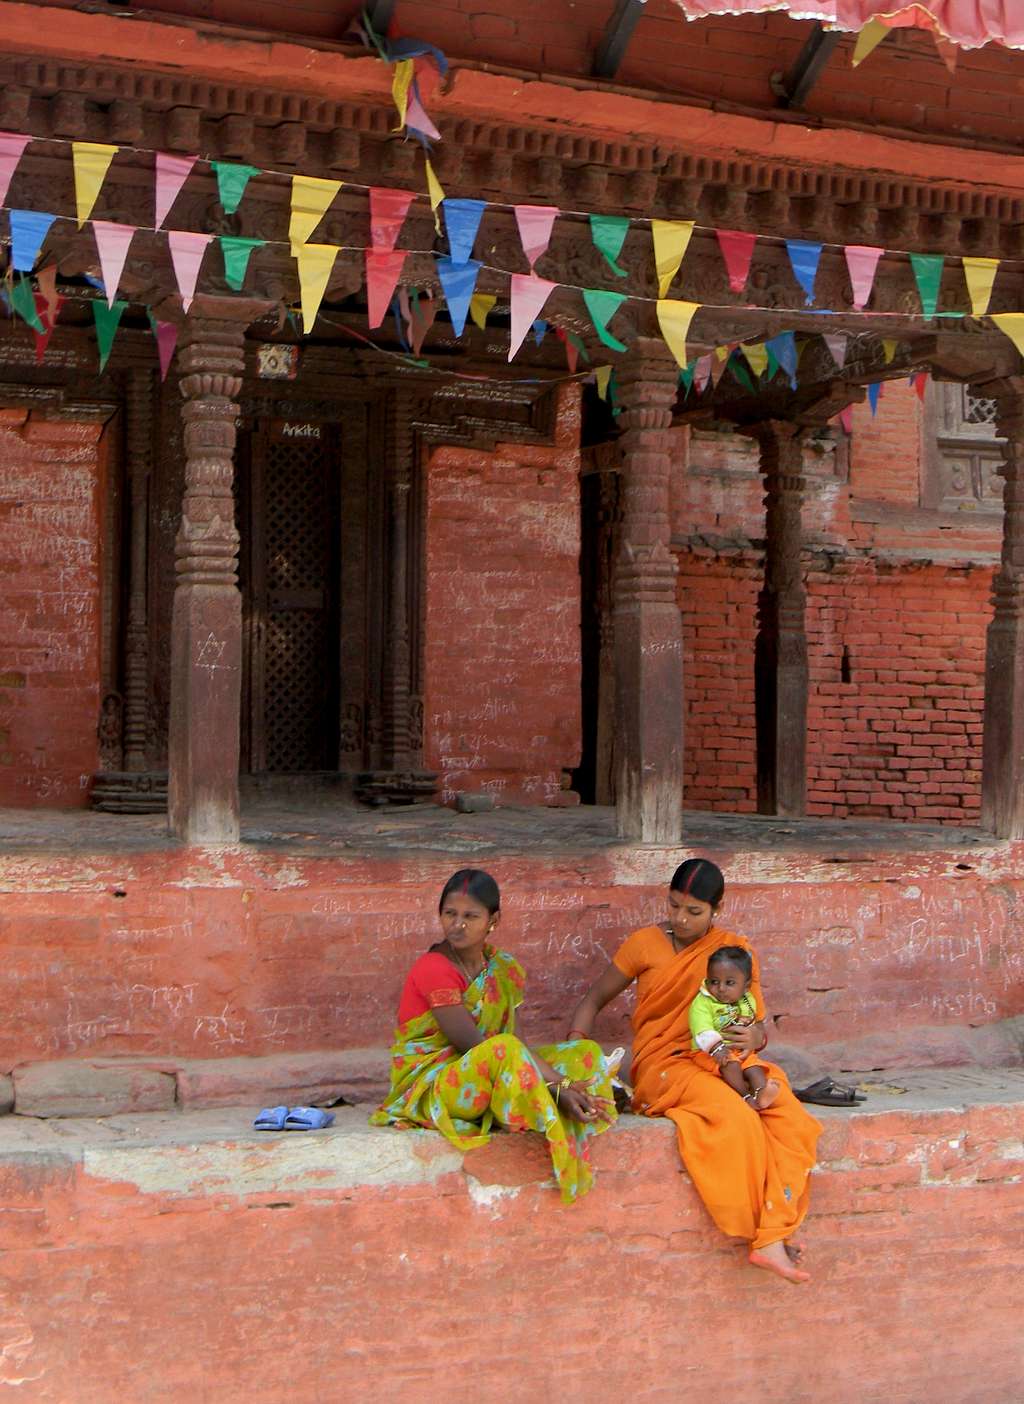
(112, 241)
(171, 174)
(862, 260)
(187, 255)
(528, 295)
(383, 271)
(166, 334)
(417, 120)
(836, 343)
(388, 209)
(737, 251)
(845, 418)
(535, 224)
(11, 147)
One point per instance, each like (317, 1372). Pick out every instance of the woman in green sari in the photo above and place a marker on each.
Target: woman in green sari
(456, 1063)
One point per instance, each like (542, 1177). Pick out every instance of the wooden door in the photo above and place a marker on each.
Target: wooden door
(290, 571)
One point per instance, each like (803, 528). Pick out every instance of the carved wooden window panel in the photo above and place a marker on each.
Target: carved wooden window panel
(963, 452)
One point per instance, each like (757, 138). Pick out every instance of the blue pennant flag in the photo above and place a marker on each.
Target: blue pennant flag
(873, 393)
(783, 348)
(458, 281)
(461, 221)
(28, 230)
(540, 328)
(804, 257)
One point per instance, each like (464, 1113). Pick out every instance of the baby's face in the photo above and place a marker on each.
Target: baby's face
(726, 982)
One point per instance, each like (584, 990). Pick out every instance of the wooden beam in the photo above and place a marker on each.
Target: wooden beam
(795, 87)
(612, 49)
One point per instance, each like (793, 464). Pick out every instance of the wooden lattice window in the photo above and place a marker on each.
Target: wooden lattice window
(963, 452)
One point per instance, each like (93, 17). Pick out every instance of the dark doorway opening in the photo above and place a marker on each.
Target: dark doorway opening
(289, 509)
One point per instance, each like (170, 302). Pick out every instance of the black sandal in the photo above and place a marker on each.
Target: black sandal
(826, 1092)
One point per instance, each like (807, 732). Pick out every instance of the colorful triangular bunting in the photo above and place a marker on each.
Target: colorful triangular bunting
(737, 251)
(106, 320)
(187, 251)
(231, 182)
(388, 209)
(805, 257)
(311, 198)
(383, 271)
(862, 262)
(315, 262)
(236, 254)
(602, 306)
(458, 282)
(928, 275)
(609, 234)
(91, 161)
(112, 243)
(671, 240)
(12, 146)
(527, 296)
(535, 223)
(171, 174)
(461, 222)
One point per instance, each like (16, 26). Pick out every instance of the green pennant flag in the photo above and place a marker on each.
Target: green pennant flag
(236, 258)
(773, 365)
(740, 371)
(686, 375)
(928, 272)
(106, 319)
(602, 307)
(580, 348)
(23, 301)
(231, 182)
(609, 234)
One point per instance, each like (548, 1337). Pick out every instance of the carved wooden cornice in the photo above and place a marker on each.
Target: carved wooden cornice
(514, 161)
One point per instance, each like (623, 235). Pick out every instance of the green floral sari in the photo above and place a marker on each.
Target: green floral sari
(464, 1095)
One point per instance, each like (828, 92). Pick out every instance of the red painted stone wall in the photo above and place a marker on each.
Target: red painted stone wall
(147, 953)
(502, 653)
(50, 484)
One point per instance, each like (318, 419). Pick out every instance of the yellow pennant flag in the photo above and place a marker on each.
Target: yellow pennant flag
(889, 349)
(400, 85)
(981, 276)
(1011, 324)
(91, 162)
(311, 197)
(723, 352)
(671, 237)
(757, 356)
(315, 264)
(868, 40)
(674, 318)
(435, 191)
(479, 306)
(602, 375)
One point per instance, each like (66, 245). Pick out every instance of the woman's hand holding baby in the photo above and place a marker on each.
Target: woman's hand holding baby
(745, 1038)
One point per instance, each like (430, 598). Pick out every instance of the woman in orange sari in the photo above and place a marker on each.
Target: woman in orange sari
(750, 1167)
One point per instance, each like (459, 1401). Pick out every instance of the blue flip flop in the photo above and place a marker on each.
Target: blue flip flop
(308, 1119)
(271, 1119)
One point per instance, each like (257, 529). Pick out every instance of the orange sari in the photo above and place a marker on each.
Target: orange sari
(750, 1168)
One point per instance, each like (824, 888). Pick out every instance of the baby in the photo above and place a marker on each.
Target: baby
(724, 1001)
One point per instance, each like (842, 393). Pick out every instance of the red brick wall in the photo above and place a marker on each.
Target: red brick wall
(502, 655)
(718, 599)
(49, 608)
(885, 450)
(902, 738)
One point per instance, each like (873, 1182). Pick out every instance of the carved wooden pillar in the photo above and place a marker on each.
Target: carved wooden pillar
(780, 651)
(400, 777)
(396, 679)
(647, 621)
(136, 665)
(206, 626)
(1002, 779)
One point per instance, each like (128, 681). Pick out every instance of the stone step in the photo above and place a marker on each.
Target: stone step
(183, 1256)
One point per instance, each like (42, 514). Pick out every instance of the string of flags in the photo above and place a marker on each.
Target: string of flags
(457, 271)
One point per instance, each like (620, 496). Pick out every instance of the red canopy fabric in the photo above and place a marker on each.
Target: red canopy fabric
(968, 23)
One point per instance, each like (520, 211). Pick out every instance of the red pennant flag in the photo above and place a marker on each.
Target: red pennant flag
(737, 251)
(47, 309)
(383, 271)
(388, 209)
(421, 318)
(845, 417)
(572, 355)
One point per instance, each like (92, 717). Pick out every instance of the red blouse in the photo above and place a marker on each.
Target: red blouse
(432, 983)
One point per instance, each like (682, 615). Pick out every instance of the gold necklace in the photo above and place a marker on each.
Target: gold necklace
(463, 966)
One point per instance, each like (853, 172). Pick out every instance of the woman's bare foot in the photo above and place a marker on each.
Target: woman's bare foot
(794, 1251)
(774, 1258)
(762, 1099)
